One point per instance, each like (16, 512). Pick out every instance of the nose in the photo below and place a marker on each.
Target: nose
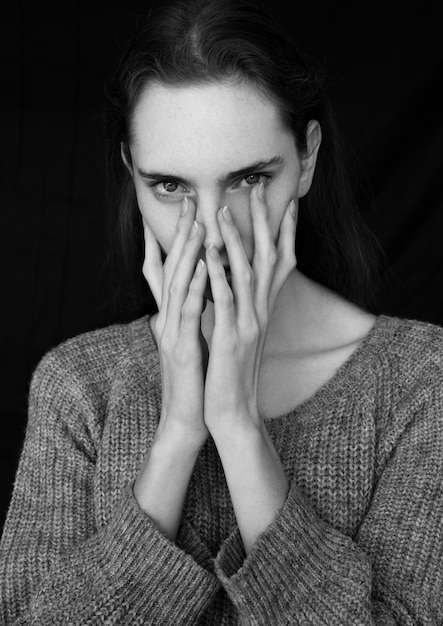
(206, 213)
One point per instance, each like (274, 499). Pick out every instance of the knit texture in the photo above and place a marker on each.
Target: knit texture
(358, 541)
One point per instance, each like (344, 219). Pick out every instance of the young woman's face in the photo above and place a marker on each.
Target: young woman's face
(212, 143)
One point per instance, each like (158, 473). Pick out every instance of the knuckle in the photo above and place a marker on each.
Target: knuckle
(250, 278)
(253, 329)
(251, 332)
(272, 256)
(173, 287)
(189, 312)
(226, 299)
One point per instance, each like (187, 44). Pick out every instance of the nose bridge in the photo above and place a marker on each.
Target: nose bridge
(207, 206)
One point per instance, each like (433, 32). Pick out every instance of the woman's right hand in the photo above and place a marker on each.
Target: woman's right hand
(178, 286)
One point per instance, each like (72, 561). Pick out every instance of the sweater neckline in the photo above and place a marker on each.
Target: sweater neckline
(348, 376)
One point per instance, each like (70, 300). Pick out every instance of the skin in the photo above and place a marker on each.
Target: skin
(175, 131)
(262, 310)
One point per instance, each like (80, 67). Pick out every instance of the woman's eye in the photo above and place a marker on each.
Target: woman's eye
(169, 186)
(252, 179)
(168, 189)
(172, 190)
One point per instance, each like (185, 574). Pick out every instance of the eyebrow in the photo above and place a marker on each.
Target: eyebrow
(244, 171)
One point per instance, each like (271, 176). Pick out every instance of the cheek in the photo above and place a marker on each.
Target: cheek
(278, 201)
(277, 196)
(240, 208)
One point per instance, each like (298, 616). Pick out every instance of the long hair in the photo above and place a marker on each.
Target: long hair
(199, 42)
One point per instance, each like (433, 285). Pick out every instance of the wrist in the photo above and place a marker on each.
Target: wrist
(178, 437)
(255, 476)
(177, 440)
(236, 433)
(161, 484)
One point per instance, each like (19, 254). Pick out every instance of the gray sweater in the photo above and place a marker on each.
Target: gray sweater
(359, 539)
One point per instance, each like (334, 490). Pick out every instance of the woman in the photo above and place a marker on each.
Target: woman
(262, 450)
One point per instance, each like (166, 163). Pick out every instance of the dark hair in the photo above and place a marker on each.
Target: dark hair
(202, 41)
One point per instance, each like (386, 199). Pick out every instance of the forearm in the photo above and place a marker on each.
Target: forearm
(256, 479)
(127, 572)
(161, 485)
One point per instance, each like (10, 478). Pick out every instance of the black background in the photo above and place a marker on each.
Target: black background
(384, 62)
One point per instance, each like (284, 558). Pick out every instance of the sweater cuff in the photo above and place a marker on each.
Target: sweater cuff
(165, 583)
(298, 569)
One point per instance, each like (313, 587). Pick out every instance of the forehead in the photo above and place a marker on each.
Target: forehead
(203, 124)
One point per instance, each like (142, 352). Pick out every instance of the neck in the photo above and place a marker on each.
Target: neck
(291, 315)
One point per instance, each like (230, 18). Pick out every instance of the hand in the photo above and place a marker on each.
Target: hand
(242, 314)
(178, 288)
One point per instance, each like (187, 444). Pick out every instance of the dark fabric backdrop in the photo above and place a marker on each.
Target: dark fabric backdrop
(384, 62)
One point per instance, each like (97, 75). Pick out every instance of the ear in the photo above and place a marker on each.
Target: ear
(309, 159)
(126, 156)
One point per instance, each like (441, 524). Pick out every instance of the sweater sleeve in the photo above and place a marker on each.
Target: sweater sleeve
(303, 571)
(56, 566)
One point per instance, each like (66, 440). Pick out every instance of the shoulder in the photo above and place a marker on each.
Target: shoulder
(97, 358)
(406, 360)
(410, 347)
(396, 368)
(343, 323)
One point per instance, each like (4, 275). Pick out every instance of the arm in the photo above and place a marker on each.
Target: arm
(298, 568)
(130, 570)
(56, 565)
(302, 570)
(254, 473)
(178, 286)
(161, 486)
(256, 479)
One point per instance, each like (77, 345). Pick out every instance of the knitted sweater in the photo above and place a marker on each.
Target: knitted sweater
(359, 539)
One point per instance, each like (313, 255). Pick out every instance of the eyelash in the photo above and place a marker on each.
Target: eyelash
(265, 175)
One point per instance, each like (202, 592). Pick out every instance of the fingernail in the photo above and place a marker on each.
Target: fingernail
(213, 252)
(194, 230)
(227, 215)
(261, 191)
(292, 208)
(185, 206)
(200, 267)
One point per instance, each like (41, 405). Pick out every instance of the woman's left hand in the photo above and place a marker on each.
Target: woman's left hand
(242, 314)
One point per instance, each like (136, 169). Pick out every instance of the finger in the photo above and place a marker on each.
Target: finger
(241, 271)
(184, 224)
(152, 264)
(184, 270)
(224, 309)
(263, 239)
(193, 306)
(286, 259)
(265, 253)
